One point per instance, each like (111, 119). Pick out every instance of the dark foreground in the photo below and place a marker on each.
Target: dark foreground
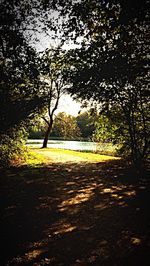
(75, 214)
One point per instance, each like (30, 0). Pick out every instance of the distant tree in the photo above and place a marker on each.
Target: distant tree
(85, 122)
(65, 127)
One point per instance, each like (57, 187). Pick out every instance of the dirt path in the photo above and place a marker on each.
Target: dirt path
(74, 214)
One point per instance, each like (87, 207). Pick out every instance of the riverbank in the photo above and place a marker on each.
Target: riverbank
(90, 146)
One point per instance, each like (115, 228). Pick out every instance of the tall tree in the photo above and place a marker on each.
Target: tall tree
(53, 70)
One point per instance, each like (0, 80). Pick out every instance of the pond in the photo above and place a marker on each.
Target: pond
(64, 144)
(103, 148)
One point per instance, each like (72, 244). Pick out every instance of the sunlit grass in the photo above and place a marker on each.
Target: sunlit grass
(85, 155)
(43, 156)
(35, 159)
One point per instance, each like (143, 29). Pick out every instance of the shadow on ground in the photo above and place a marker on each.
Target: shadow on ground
(74, 214)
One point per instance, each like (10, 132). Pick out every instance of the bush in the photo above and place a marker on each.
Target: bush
(12, 146)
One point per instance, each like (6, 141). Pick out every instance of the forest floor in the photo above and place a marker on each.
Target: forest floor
(65, 208)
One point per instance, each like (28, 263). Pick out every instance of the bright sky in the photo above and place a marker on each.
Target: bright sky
(68, 105)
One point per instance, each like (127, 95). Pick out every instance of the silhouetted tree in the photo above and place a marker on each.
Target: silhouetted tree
(53, 74)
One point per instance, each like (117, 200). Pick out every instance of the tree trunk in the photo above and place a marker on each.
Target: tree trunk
(47, 134)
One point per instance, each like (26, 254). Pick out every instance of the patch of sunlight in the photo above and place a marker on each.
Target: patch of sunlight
(94, 157)
(130, 193)
(116, 196)
(70, 183)
(89, 156)
(119, 192)
(107, 190)
(60, 227)
(70, 192)
(100, 206)
(122, 204)
(65, 229)
(34, 254)
(37, 244)
(117, 188)
(82, 196)
(34, 159)
(135, 241)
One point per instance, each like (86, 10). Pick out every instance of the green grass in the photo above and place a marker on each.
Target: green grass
(86, 155)
(35, 159)
(107, 149)
(38, 156)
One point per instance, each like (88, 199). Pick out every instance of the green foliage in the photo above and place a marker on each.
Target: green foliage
(114, 127)
(111, 67)
(12, 146)
(85, 122)
(20, 86)
(35, 133)
(37, 128)
(105, 130)
(21, 94)
(65, 126)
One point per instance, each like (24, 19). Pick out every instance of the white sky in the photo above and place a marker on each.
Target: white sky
(68, 105)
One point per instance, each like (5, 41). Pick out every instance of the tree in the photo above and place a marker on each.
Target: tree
(21, 94)
(65, 126)
(85, 122)
(106, 130)
(53, 74)
(111, 67)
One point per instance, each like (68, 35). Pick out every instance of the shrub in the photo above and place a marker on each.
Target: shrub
(12, 146)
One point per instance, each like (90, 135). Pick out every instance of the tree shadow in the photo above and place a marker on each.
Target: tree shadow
(74, 214)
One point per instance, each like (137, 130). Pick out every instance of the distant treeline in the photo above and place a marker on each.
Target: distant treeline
(66, 127)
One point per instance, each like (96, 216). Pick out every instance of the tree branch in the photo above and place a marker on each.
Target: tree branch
(45, 120)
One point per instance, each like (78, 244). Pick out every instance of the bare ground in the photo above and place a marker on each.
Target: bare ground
(75, 213)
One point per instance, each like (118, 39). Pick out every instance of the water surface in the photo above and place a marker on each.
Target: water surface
(64, 144)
